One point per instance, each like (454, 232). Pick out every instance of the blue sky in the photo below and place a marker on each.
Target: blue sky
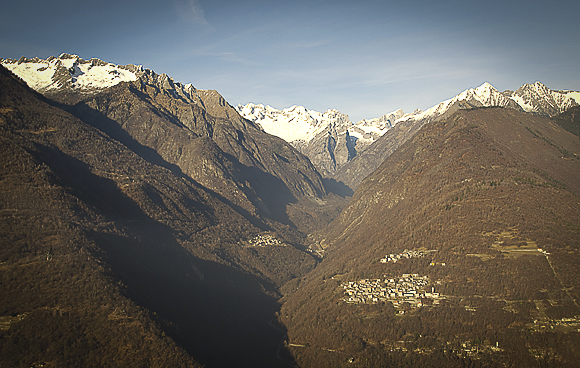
(364, 58)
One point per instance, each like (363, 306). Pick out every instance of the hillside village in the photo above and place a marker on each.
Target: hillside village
(406, 254)
(265, 240)
(406, 291)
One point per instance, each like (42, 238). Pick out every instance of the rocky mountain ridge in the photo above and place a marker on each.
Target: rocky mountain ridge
(195, 131)
(535, 98)
(329, 139)
(301, 126)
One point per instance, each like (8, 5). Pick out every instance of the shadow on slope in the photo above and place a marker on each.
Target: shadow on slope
(268, 193)
(337, 187)
(218, 313)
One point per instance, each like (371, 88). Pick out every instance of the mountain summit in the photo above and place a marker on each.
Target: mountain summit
(70, 71)
(536, 99)
(331, 140)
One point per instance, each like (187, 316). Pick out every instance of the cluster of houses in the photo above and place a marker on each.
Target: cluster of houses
(265, 240)
(406, 254)
(474, 350)
(409, 290)
(570, 324)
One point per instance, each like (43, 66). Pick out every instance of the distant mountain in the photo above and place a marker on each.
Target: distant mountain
(331, 140)
(320, 136)
(460, 249)
(539, 99)
(536, 98)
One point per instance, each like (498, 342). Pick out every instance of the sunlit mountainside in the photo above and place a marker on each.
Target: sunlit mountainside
(145, 222)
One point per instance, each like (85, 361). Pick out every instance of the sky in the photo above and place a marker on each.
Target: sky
(363, 58)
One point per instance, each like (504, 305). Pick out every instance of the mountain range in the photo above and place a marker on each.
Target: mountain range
(149, 223)
(331, 140)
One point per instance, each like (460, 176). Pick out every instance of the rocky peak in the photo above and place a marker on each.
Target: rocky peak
(71, 72)
(538, 98)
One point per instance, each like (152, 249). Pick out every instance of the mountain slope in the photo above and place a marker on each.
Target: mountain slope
(193, 131)
(130, 261)
(536, 98)
(331, 141)
(482, 208)
(570, 120)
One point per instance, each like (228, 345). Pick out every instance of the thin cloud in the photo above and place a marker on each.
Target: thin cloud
(191, 11)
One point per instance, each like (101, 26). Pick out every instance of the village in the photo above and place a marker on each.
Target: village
(406, 254)
(472, 349)
(408, 291)
(570, 324)
(265, 240)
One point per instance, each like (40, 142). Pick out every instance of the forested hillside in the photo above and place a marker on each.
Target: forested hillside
(111, 258)
(460, 250)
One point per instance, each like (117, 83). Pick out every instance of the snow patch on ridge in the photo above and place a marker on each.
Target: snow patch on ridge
(45, 75)
(293, 123)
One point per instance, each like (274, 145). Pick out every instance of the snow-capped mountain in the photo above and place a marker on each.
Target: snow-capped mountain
(89, 76)
(367, 131)
(295, 123)
(322, 137)
(306, 128)
(71, 71)
(329, 139)
(537, 98)
(299, 124)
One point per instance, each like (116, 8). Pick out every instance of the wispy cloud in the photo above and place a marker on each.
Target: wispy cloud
(191, 11)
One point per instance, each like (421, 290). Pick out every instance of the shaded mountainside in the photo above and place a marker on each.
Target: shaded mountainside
(570, 120)
(206, 139)
(111, 256)
(480, 213)
(163, 120)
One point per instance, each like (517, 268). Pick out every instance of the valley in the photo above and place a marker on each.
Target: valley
(147, 223)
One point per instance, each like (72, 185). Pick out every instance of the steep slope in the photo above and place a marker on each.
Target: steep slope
(570, 120)
(110, 258)
(60, 303)
(460, 249)
(536, 98)
(193, 131)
